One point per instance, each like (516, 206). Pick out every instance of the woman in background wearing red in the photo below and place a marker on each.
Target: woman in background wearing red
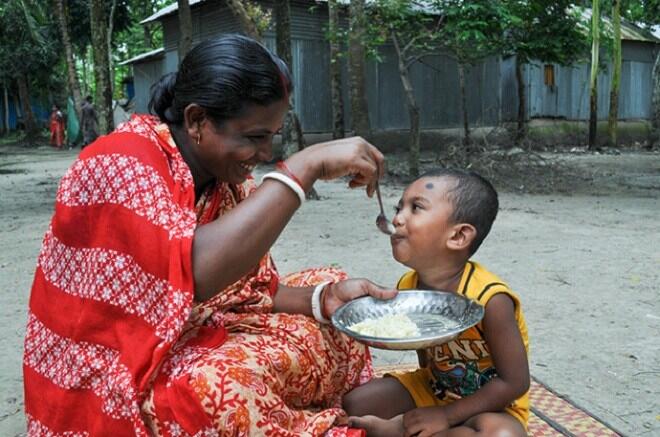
(56, 127)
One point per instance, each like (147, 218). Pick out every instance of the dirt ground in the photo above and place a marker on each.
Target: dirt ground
(577, 236)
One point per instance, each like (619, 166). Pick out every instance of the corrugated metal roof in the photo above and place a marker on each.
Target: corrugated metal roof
(420, 5)
(143, 56)
(629, 30)
(167, 10)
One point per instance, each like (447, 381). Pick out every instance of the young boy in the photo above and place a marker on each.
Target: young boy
(478, 383)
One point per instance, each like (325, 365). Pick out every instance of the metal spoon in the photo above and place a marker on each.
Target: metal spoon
(385, 226)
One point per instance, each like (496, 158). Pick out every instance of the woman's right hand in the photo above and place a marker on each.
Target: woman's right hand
(353, 157)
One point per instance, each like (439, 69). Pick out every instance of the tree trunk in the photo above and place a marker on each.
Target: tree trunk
(5, 102)
(31, 128)
(74, 85)
(616, 75)
(655, 109)
(311, 194)
(521, 131)
(147, 36)
(357, 69)
(464, 110)
(185, 28)
(593, 85)
(282, 14)
(413, 109)
(85, 86)
(146, 8)
(338, 130)
(111, 67)
(239, 11)
(99, 28)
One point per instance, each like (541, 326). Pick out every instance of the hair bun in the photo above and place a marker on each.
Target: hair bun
(162, 97)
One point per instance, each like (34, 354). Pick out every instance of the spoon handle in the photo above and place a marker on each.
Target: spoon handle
(380, 201)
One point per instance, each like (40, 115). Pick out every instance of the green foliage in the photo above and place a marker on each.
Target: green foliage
(645, 12)
(547, 31)
(126, 34)
(468, 30)
(416, 32)
(135, 38)
(29, 44)
(373, 38)
(260, 16)
(472, 30)
(79, 25)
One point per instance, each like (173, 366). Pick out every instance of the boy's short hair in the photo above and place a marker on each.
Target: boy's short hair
(474, 199)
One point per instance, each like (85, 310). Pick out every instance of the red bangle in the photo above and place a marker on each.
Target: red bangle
(323, 298)
(281, 165)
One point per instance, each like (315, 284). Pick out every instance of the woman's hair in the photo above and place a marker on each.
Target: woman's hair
(221, 75)
(474, 199)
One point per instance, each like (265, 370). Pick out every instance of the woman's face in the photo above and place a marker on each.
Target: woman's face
(231, 151)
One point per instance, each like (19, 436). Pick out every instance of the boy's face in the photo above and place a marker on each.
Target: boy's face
(423, 223)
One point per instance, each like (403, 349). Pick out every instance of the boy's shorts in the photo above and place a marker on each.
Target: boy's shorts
(417, 384)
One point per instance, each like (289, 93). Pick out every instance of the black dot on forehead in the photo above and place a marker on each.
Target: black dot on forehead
(429, 185)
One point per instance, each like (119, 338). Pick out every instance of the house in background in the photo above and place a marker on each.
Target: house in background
(553, 91)
(438, 96)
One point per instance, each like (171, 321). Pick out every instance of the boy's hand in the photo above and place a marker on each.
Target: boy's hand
(425, 422)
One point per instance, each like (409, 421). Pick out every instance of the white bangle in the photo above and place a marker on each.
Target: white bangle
(286, 180)
(316, 303)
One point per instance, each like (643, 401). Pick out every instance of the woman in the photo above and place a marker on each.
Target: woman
(56, 127)
(156, 308)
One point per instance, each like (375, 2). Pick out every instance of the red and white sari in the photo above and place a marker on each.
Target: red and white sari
(115, 344)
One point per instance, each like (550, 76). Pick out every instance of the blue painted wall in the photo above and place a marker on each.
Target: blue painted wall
(41, 111)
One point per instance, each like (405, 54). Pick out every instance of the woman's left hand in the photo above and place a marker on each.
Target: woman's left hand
(337, 294)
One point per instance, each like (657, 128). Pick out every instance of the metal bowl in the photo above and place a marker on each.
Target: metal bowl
(439, 315)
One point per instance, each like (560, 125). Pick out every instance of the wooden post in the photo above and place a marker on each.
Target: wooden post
(338, 130)
(6, 107)
(593, 84)
(357, 69)
(616, 75)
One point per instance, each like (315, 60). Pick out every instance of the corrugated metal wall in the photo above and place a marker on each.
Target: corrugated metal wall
(40, 111)
(569, 97)
(144, 75)
(491, 85)
(436, 80)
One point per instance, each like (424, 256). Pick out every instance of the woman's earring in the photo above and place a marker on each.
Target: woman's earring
(199, 137)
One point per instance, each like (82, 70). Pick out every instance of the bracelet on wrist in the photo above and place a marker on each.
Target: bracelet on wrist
(281, 165)
(317, 304)
(286, 180)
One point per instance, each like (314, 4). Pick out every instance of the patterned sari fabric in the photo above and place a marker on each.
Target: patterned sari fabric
(115, 344)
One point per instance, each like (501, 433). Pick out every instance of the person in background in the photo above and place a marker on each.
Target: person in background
(56, 127)
(88, 122)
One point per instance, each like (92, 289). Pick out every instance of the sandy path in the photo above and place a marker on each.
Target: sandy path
(587, 268)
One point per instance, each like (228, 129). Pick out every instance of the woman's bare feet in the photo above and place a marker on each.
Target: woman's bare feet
(377, 427)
